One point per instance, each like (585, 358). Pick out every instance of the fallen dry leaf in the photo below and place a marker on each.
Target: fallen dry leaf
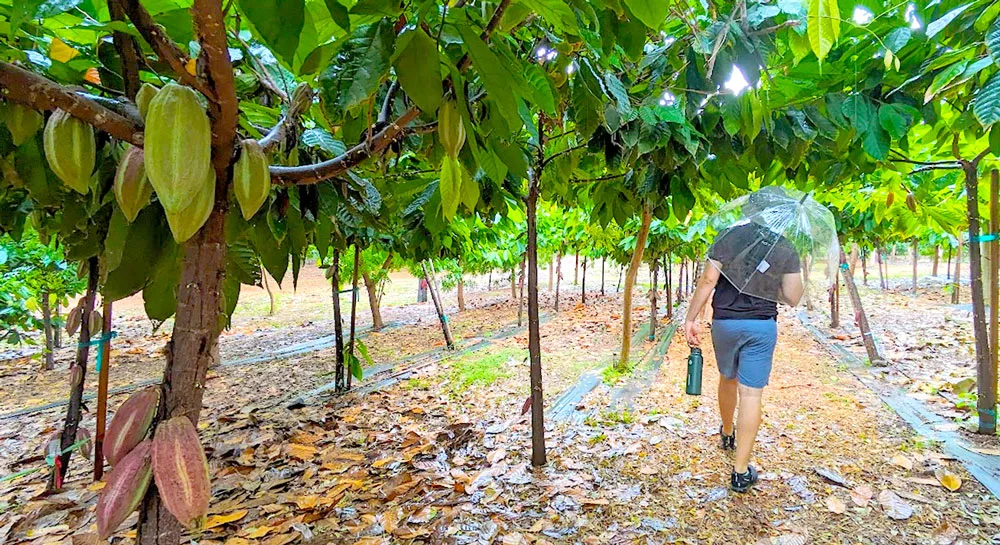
(902, 461)
(784, 539)
(862, 494)
(835, 505)
(218, 520)
(948, 479)
(895, 507)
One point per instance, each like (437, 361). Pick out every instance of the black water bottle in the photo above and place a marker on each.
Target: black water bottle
(695, 361)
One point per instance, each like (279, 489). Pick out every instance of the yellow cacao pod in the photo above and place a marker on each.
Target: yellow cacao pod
(71, 150)
(451, 130)
(22, 122)
(144, 97)
(889, 199)
(178, 147)
(251, 178)
(186, 223)
(132, 189)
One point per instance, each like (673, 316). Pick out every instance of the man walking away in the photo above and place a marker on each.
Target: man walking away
(744, 329)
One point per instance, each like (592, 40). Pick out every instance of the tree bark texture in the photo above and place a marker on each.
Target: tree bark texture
(373, 302)
(633, 271)
(438, 305)
(50, 356)
(538, 457)
(986, 375)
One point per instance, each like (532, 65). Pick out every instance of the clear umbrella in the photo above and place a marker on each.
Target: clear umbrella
(772, 232)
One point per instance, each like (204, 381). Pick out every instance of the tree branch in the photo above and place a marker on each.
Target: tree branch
(223, 104)
(386, 111)
(127, 48)
(164, 47)
(549, 159)
(311, 174)
(39, 93)
(302, 98)
(598, 179)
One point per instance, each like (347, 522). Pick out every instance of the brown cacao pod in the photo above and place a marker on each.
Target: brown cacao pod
(83, 434)
(451, 129)
(73, 320)
(180, 471)
(302, 98)
(22, 122)
(124, 490)
(75, 376)
(71, 149)
(251, 178)
(186, 223)
(96, 323)
(144, 97)
(131, 423)
(132, 189)
(911, 202)
(178, 147)
(889, 199)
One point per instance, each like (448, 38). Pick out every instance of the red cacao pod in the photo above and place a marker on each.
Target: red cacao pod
(180, 470)
(131, 423)
(125, 489)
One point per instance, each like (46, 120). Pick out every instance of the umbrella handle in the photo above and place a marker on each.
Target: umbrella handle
(804, 197)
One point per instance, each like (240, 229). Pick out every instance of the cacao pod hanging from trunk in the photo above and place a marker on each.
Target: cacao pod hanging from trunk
(185, 224)
(180, 471)
(73, 320)
(71, 149)
(131, 424)
(451, 128)
(96, 323)
(124, 490)
(251, 178)
(132, 188)
(83, 434)
(178, 148)
(144, 97)
(22, 122)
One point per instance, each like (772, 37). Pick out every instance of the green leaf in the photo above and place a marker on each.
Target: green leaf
(363, 350)
(860, 112)
(897, 39)
(450, 186)
(937, 26)
(367, 54)
(617, 90)
(993, 40)
(114, 243)
(995, 140)
(278, 23)
(320, 138)
(419, 70)
(339, 14)
(799, 44)
(144, 237)
(986, 104)
(943, 78)
(494, 75)
(557, 13)
(823, 26)
(896, 119)
(160, 295)
(470, 191)
(652, 13)
(876, 142)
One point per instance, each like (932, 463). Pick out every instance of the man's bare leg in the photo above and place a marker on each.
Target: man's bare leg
(746, 425)
(727, 403)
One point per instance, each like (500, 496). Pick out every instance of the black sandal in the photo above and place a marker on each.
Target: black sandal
(728, 441)
(741, 482)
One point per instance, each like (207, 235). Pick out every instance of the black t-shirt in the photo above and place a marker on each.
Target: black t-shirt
(751, 251)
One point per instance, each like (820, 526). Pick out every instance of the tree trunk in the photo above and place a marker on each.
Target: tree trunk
(461, 294)
(994, 278)
(854, 258)
(552, 268)
(957, 291)
(619, 287)
(520, 298)
(937, 259)
(916, 256)
(864, 267)
(373, 302)
(513, 285)
(558, 277)
(103, 371)
(806, 269)
(859, 315)
(439, 306)
(835, 301)
(58, 330)
(680, 282)
(604, 264)
(880, 259)
(340, 375)
(272, 309)
(354, 309)
(652, 303)
(667, 286)
(948, 274)
(50, 356)
(534, 335)
(986, 373)
(75, 407)
(576, 268)
(633, 270)
(583, 284)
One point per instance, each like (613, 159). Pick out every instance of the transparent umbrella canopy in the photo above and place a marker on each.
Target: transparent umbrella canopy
(770, 233)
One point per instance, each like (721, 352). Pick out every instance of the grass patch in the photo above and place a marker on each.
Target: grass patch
(612, 375)
(611, 418)
(481, 369)
(416, 384)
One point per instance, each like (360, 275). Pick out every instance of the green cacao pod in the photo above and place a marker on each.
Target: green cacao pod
(130, 424)
(178, 147)
(22, 122)
(144, 97)
(186, 223)
(180, 471)
(125, 489)
(132, 189)
(451, 130)
(251, 178)
(71, 150)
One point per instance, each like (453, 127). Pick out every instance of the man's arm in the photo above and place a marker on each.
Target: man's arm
(706, 284)
(791, 288)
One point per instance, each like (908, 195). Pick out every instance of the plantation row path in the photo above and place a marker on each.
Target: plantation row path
(436, 450)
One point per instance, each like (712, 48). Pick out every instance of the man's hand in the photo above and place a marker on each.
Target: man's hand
(692, 330)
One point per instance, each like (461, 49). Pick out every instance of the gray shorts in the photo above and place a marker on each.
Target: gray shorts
(744, 349)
